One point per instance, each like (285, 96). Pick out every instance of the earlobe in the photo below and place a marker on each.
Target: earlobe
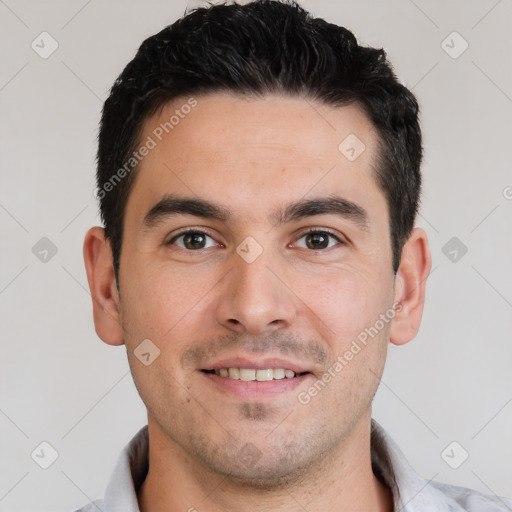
(100, 275)
(410, 284)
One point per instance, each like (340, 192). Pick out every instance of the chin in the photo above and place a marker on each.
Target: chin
(265, 476)
(274, 466)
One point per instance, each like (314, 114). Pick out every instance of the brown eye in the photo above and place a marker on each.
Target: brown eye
(193, 240)
(318, 240)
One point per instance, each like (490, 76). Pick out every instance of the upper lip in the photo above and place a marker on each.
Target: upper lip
(256, 364)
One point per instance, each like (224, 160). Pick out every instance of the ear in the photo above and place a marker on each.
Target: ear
(101, 277)
(410, 283)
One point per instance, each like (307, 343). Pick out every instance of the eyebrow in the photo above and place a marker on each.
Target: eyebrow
(171, 205)
(332, 205)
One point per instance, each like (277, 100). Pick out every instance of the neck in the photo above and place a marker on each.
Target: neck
(343, 481)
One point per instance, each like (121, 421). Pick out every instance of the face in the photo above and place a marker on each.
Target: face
(254, 248)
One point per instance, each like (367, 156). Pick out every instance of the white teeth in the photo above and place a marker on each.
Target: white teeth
(234, 373)
(247, 374)
(279, 373)
(250, 374)
(262, 375)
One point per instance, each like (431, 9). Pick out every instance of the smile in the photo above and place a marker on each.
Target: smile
(251, 374)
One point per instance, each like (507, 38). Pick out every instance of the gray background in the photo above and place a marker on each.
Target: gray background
(61, 384)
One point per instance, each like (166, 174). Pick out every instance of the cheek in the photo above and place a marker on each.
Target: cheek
(346, 303)
(161, 301)
(158, 305)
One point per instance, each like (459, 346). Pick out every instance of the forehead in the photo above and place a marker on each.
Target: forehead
(249, 152)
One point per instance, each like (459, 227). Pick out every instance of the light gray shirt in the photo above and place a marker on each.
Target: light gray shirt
(411, 492)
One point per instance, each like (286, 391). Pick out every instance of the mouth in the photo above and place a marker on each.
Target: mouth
(255, 380)
(251, 374)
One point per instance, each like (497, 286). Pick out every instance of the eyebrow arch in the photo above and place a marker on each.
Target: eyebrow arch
(171, 205)
(331, 205)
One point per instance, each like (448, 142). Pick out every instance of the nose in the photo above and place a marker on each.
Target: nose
(255, 298)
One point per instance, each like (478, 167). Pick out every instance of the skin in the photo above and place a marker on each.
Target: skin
(305, 305)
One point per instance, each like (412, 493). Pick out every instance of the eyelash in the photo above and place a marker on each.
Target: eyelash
(207, 233)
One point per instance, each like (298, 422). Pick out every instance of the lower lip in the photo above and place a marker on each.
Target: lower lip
(255, 389)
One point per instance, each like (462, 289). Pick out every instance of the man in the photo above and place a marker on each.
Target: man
(258, 178)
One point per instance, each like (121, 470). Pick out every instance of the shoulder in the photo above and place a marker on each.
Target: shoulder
(471, 500)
